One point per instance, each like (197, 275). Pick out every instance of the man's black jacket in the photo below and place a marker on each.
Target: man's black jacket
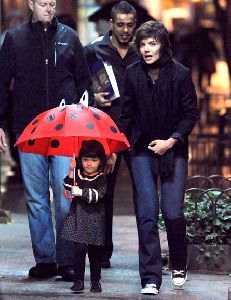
(103, 48)
(47, 66)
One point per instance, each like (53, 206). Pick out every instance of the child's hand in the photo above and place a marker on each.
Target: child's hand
(73, 162)
(76, 191)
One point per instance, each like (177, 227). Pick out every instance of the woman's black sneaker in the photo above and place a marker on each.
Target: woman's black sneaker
(179, 277)
(78, 286)
(96, 287)
(43, 270)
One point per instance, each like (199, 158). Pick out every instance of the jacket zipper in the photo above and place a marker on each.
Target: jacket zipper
(55, 53)
(46, 67)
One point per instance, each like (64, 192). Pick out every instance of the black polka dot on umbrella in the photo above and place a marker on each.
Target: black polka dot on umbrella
(79, 107)
(50, 118)
(35, 122)
(96, 116)
(73, 116)
(54, 143)
(113, 129)
(90, 126)
(31, 142)
(33, 130)
(59, 127)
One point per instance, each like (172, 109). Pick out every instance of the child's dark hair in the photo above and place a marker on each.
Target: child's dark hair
(92, 149)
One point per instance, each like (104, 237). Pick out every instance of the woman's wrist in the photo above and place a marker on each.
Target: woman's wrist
(172, 142)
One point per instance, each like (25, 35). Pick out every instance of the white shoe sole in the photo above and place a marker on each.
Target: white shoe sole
(149, 291)
(180, 284)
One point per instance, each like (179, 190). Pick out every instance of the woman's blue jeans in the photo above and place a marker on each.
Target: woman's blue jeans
(172, 190)
(39, 173)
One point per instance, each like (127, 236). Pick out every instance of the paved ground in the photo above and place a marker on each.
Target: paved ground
(119, 282)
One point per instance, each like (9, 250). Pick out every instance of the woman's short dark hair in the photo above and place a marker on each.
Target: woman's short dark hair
(122, 7)
(156, 30)
(92, 149)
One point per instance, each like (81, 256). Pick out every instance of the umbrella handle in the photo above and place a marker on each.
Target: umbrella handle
(68, 194)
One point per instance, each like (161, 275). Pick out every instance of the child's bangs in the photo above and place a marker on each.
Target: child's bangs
(90, 155)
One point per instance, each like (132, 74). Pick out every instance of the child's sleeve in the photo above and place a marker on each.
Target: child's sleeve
(94, 195)
(68, 183)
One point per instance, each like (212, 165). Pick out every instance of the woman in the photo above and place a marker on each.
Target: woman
(158, 114)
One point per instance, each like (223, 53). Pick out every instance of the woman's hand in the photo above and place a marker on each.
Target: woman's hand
(109, 168)
(160, 147)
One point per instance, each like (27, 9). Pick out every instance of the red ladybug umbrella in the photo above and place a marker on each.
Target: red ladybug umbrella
(61, 130)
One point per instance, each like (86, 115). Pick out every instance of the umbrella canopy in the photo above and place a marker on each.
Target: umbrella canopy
(61, 130)
(104, 13)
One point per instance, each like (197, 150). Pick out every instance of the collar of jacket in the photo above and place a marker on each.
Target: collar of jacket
(106, 41)
(144, 69)
(37, 26)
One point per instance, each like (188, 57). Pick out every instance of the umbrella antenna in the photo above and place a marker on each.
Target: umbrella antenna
(62, 103)
(84, 99)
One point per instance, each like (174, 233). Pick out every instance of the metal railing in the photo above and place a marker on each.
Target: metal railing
(209, 154)
(208, 209)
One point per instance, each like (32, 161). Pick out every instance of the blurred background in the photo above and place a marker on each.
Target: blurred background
(200, 34)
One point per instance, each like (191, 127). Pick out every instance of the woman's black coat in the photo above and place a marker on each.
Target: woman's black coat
(184, 106)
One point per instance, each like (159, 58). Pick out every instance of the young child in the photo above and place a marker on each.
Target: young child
(84, 224)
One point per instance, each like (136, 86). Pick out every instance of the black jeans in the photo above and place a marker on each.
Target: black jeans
(94, 255)
(111, 181)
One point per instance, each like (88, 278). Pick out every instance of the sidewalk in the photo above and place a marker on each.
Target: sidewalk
(119, 282)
